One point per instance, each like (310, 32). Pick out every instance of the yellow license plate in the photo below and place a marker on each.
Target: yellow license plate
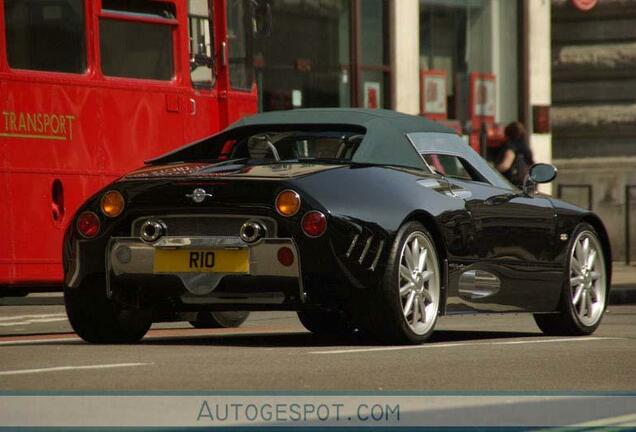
(201, 261)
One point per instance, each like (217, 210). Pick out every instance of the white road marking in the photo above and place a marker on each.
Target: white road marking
(628, 420)
(68, 368)
(461, 344)
(35, 316)
(39, 341)
(31, 321)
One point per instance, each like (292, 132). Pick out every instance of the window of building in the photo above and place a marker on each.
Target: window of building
(201, 43)
(239, 35)
(306, 60)
(460, 37)
(46, 35)
(335, 54)
(137, 49)
(374, 70)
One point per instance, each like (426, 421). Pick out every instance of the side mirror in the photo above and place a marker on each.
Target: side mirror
(538, 173)
(542, 173)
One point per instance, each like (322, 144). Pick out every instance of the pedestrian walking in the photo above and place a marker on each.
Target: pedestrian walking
(515, 157)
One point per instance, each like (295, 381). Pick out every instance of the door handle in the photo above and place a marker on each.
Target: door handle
(193, 104)
(224, 53)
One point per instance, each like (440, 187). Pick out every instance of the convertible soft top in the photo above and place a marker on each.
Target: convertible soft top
(385, 139)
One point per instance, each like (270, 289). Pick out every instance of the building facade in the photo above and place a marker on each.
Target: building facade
(594, 113)
(465, 62)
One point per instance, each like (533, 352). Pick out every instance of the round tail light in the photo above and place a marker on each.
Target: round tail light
(112, 203)
(88, 224)
(285, 256)
(287, 203)
(314, 223)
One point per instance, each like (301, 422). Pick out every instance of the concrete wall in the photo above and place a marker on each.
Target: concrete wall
(608, 177)
(594, 71)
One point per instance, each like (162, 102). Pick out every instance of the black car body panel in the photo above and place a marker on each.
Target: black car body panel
(502, 250)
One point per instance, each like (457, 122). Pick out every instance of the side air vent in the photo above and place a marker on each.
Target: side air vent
(353, 244)
(365, 250)
(367, 245)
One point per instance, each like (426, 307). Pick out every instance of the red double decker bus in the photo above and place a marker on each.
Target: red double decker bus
(89, 89)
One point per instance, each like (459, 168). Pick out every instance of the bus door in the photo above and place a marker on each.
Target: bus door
(221, 63)
(238, 96)
(201, 116)
(139, 48)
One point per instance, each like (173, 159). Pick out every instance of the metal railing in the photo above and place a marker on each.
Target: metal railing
(590, 196)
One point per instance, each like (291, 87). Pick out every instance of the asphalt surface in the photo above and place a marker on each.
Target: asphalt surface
(272, 351)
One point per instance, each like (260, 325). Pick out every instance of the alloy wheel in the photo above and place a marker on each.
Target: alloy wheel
(419, 282)
(587, 278)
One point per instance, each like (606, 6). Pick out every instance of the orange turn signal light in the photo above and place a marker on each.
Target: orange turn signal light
(287, 203)
(112, 203)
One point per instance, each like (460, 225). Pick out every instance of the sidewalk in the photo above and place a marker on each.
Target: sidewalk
(623, 284)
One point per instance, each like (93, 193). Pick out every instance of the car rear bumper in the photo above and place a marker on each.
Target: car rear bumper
(129, 260)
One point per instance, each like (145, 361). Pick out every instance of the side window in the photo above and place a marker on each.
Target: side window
(137, 48)
(46, 36)
(201, 43)
(453, 166)
(239, 34)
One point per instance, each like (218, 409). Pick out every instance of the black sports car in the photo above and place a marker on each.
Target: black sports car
(359, 220)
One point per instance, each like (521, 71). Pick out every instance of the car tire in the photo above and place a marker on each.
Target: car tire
(585, 288)
(98, 319)
(221, 319)
(408, 279)
(325, 322)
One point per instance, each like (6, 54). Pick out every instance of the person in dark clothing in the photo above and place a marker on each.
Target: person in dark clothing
(515, 157)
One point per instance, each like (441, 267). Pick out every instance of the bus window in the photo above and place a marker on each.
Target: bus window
(137, 49)
(201, 60)
(46, 36)
(239, 35)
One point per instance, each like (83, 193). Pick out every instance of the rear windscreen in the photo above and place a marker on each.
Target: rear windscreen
(294, 145)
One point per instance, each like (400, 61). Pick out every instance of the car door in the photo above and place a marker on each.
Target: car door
(510, 265)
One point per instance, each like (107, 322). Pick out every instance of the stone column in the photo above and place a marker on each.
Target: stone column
(539, 74)
(404, 21)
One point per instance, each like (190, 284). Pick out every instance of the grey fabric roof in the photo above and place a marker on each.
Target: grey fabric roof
(385, 131)
(379, 118)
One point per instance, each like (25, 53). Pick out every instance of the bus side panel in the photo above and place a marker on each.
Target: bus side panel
(201, 119)
(139, 124)
(241, 104)
(6, 233)
(53, 163)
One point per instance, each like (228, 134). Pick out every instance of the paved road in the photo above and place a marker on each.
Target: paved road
(273, 352)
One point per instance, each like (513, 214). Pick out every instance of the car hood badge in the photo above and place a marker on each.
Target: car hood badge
(199, 195)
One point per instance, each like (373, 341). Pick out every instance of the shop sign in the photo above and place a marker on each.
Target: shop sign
(483, 102)
(433, 93)
(372, 95)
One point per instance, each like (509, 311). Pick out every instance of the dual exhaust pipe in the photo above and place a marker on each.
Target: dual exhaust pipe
(250, 232)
